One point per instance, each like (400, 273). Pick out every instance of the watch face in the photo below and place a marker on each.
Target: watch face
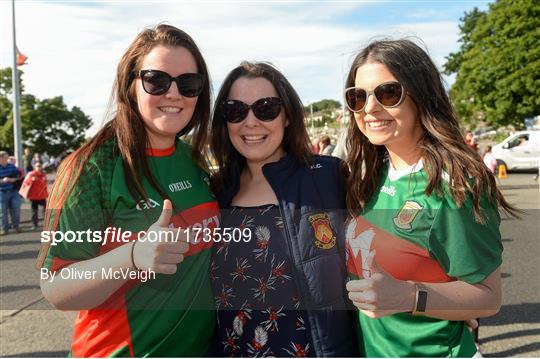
(422, 300)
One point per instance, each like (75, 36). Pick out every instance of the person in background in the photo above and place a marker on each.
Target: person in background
(489, 160)
(53, 163)
(36, 158)
(37, 194)
(470, 141)
(523, 140)
(27, 160)
(340, 151)
(10, 200)
(13, 161)
(325, 146)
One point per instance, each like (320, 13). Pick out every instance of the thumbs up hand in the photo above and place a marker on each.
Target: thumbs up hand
(379, 294)
(164, 254)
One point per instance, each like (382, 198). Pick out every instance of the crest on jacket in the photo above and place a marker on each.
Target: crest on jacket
(324, 236)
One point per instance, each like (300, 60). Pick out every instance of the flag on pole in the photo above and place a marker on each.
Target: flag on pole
(21, 58)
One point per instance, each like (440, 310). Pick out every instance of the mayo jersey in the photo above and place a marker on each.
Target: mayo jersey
(171, 315)
(423, 239)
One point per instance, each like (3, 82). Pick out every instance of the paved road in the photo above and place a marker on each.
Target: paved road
(515, 331)
(30, 328)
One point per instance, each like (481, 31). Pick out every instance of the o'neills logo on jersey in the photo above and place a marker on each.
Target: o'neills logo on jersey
(180, 186)
(391, 191)
(147, 204)
(407, 214)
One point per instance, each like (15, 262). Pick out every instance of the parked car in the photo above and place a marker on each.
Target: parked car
(519, 151)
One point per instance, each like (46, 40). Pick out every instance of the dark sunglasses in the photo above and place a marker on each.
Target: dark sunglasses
(156, 82)
(388, 94)
(265, 109)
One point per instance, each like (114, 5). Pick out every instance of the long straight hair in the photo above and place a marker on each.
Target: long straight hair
(127, 127)
(442, 144)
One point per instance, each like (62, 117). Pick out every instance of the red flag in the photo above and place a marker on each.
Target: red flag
(21, 58)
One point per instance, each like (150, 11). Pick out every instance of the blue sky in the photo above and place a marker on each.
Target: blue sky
(73, 47)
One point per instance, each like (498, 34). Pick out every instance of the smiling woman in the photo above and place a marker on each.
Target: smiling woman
(424, 248)
(136, 175)
(282, 294)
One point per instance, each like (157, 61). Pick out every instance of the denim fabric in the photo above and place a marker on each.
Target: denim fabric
(10, 202)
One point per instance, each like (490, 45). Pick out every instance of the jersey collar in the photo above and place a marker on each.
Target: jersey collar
(160, 152)
(394, 174)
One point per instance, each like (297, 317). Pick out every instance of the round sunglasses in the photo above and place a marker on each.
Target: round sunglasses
(265, 109)
(156, 82)
(388, 94)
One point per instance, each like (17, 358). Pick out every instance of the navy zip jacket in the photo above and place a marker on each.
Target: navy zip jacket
(312, 203)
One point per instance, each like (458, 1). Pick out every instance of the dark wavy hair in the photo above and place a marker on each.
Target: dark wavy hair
(127, 127)
(295, 141)
(442, 144)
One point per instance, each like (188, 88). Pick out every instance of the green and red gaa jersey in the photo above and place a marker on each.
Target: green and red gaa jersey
(423, 239)
(171, 315)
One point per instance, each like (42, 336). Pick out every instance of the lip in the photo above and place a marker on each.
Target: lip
(253, 139)
(170, 110)
(378, 124)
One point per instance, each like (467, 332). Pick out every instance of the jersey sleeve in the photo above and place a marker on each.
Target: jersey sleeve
(466, 249)
(82, 216)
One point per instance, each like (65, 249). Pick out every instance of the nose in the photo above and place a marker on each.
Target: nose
(173, 92)
(371, 104)
(251, 120)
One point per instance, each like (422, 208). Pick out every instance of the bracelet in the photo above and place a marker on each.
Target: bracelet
(133, 258)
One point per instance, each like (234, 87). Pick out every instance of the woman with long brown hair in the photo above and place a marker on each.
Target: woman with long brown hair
(425, 249)
(140, 288)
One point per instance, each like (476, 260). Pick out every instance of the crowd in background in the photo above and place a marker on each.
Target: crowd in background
(17, 184)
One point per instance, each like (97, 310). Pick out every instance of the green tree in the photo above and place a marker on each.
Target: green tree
(6, 108)
(498, 64)
(325, 109)
(47, 125)
(326, 104)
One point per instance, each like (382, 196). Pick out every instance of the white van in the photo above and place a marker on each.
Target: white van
(519, 151)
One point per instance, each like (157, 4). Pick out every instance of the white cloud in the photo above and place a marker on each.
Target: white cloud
(73, 50)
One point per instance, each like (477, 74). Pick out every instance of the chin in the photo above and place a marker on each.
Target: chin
(252, 157)
(171, 128)
(168, 132)
(377, 139)
(164, 132)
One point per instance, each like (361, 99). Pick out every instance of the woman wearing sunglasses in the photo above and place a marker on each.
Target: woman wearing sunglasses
(146, 294)
(281, 291)
(426, 248)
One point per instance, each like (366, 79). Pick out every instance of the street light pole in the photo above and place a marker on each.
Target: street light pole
(15, 87)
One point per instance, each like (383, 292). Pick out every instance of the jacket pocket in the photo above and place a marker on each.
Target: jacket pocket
(324, 281)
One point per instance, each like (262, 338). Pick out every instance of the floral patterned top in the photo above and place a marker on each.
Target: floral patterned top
(256, 297)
